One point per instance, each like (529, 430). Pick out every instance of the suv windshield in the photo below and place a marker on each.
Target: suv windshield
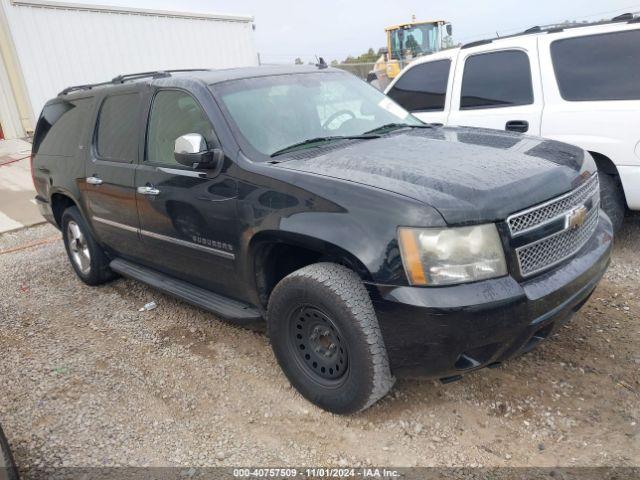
(276, 112)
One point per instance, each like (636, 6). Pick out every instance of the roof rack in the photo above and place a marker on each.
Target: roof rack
(130, 77)
(558, 27)
(477, 43)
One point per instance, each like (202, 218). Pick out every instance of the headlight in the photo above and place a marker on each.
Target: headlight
(443, 256)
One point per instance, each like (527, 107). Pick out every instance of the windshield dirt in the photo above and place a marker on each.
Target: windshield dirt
(273, 113)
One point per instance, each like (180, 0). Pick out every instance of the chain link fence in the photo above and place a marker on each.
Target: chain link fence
(360, 70)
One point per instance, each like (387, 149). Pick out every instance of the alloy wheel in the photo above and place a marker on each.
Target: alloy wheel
(78, 248)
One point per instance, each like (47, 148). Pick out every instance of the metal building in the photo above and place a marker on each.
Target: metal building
(46, 46)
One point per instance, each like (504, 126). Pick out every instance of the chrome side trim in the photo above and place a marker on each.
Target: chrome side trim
(184, 173)
(195, 246)
(116, 224)
(176, 241)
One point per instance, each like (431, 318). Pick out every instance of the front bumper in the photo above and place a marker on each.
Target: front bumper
(447, 331)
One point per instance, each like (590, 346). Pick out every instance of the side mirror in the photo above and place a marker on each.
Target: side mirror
(449, 29)
(191, 150)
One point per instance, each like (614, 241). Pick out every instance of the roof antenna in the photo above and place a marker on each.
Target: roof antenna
(321, 64)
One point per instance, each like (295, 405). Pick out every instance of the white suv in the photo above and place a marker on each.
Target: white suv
(579, 85)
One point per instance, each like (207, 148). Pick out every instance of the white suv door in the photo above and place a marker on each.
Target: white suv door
(498, 86)
(422, 88)
(592, 99)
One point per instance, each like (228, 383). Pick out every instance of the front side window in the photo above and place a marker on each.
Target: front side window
(423, 87)
(496, 79)
(118, 128)
(274, 112)
(173, 113)
(598, 67)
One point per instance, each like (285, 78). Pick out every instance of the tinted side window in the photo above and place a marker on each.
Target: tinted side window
(423, 87)
(496, 79)
(598, 67)
(59, 127)
(117, 137)
(173, 114)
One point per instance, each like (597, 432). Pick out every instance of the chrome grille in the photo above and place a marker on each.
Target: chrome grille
(550, 251)
(546, 252)
(540, 214)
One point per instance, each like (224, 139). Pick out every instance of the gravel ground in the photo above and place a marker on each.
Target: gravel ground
(88, 380)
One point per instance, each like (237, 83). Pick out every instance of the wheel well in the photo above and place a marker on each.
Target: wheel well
(275, 260)
(59, 203)
(604, 163)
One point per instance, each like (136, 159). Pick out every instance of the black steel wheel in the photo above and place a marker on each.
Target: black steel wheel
(326, 338)
(317, 343)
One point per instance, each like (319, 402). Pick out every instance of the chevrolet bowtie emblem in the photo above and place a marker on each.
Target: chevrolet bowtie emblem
(575, 218)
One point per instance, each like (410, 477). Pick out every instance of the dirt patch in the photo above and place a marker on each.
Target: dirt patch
(88, 380)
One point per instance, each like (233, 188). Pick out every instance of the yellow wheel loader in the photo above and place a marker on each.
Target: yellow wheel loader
(406, 42)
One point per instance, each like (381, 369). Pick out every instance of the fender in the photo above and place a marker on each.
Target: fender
(60, 190)
(78, 203)
(358, 224)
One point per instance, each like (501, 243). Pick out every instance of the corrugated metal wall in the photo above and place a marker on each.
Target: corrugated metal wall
(9, 114)
(58, 47)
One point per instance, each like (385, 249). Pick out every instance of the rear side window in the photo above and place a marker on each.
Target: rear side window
(598, 67)
(117, 136)
(496, 79)
(423, 87)
(60, 126)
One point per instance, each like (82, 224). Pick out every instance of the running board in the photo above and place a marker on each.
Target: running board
(225, 307)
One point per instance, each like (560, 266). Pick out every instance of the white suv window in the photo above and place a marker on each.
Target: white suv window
(423, 87)
(598, 67)
(496, 79)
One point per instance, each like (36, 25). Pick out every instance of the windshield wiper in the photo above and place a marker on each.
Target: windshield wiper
(311, 141)
(396, 126)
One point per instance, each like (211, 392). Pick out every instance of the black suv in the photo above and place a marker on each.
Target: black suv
(373, 244)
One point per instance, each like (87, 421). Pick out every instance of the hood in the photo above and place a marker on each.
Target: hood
(469, 175)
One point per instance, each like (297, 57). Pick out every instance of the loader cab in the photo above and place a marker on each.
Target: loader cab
(405, 42)
(415, 39)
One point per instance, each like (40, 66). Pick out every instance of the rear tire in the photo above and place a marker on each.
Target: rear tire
(86, 256)
(326, 338)
(612, 198)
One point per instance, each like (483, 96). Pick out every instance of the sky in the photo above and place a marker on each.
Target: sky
(335, 29)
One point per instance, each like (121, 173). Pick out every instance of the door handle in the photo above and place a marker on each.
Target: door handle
(94, 180)
(148, 190)
(521, 126)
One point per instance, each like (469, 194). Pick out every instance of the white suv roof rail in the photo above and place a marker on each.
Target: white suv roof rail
(630, 17)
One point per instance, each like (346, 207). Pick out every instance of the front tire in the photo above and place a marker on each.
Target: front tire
(326, 338)
(612, 198)
(86, 256)
(8, 470)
